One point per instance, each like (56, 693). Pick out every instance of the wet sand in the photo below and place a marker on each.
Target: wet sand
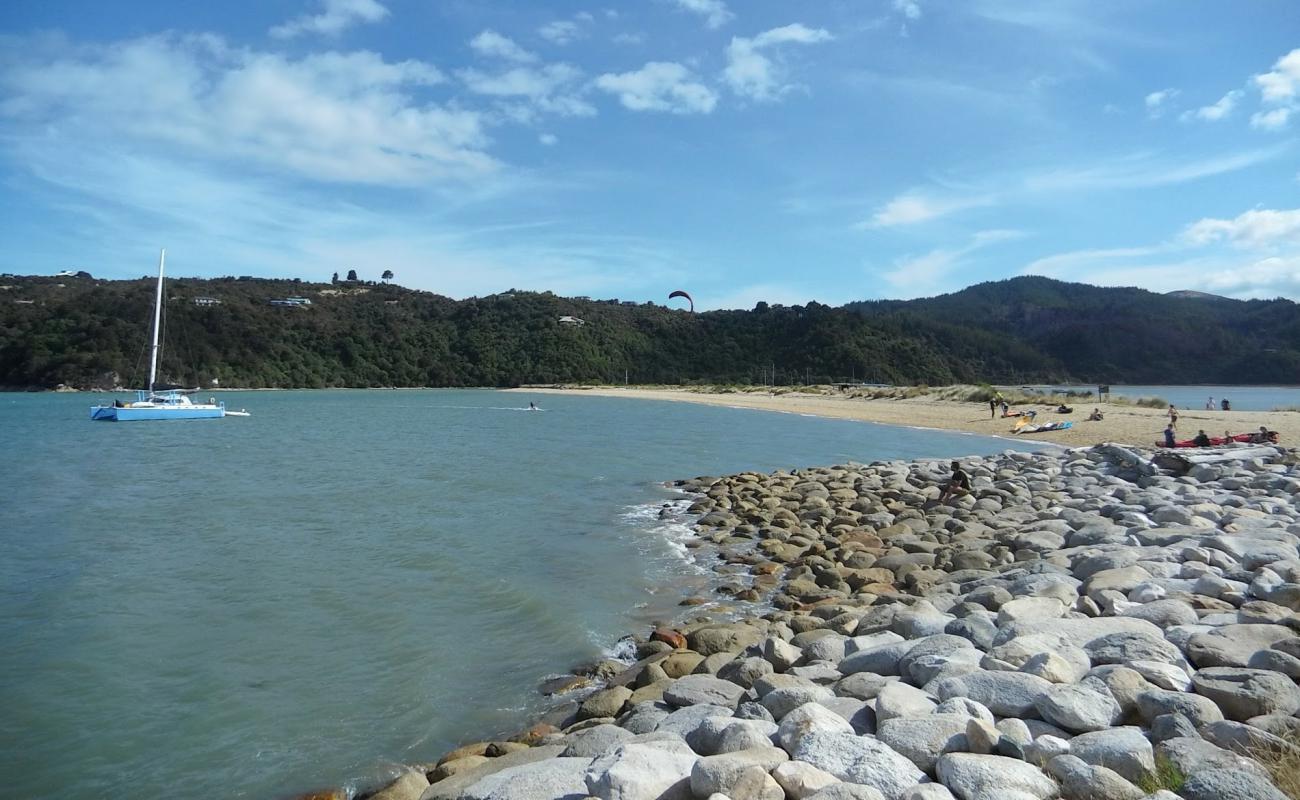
(1124, 424)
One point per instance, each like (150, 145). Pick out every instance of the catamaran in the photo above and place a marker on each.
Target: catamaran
(165, 403)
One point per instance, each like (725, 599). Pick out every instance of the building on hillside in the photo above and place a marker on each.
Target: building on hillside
(292, 302)
(571, 320)
(206, 301)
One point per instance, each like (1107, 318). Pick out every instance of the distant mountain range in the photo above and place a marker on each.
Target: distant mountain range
(82, 332)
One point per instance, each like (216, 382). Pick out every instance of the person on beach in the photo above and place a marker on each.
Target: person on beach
(958, 483)
(1169, 434)
(1263, 437)
(1095, 416)
(1173, 416)
(1225, 405)
(1005, 408)
(993, 408)
(1227, 438)
(1201, 439)
(1209, 404)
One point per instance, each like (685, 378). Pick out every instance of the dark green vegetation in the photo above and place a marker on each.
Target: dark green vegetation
(88, 333)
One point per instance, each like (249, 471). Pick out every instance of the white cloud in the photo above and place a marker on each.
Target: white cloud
(751, 71)
(628, 38)
(336, 17)
(926, 274)
(715, 12)
(1259, 228)
(560, 31)
(490, 43)
(330, 116)
(660, 86)
(908, 8)
(1282, 84)
(1271, 120)
(912, 208)
(1217, 111)
(552, 88)
(1157, 102)
(548, 139)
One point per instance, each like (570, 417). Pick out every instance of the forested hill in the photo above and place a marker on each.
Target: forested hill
(83, 332)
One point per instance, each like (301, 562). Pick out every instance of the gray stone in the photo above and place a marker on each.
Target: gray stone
(1030, 609)
(1045, 748)
(644, 717)
(686, 722)
(927, 791)
(745, 734)
(982, 736)
(783, 655)
(1083, 781)
(1164, 613)
(806, 720)
(861, 714)
(1226, 784)
(1118, 648)
(744, 671)
(858, 759)
(923, 739)
(453, 787)
(595, 741)
(752, 784)
(1007, 694)
(719, 773)
(691, 690)
(605, 703)
(1078, 632)
(1242, 738)
(1078, 709)
(1124, 750)
(863, 685)
(882, 659)
(800, 780)
(1199, 710)
(1055, 668)
(966, 707)
(782, 701)
(752, 710)
(552, 779)
(976, 777)
(902, 700)
(1244, 693)
(408, 786)
(1233, 645)
(1171, 726)
(1165, 676)
(847, 791)
(1193, 754)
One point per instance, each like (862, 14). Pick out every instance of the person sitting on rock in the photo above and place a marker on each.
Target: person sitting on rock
(958, 483)
(1169, 435)
(1201, 439)
(1095, 416)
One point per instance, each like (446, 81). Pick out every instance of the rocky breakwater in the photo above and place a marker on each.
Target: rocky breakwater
(1084, 625)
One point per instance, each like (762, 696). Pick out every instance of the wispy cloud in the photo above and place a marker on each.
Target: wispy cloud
(565, 31)
(329, 116)
(1258, 228)
(336, 17)
(1135, 171)
(1215, 111)
(548, 88)
(1198, 259)
(932, 272)
(912, 208)
(1158, 102)
(492, 44)
(753, 68)
(660, 86)
(715, 12)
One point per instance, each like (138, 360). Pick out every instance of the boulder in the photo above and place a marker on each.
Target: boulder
(858, 759)
(1007, 694)
(902, 700)
(605, 703)
(800, 780)
(1233, 645)
(719, 773)
(408, 786)
(641, 771)
(1077, 708)
(552, 779)
(1199, 710)
(691, 690)
(808, 719)
(1244, 693)
(782, 701)
(1227, 784)
(923, 739)
(976, 777)
(1124, 750)
(1083, 781)
(595, 741)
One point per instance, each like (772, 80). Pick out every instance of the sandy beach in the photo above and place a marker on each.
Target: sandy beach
(1126, 424)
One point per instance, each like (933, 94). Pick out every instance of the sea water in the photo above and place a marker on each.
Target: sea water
(346, 580)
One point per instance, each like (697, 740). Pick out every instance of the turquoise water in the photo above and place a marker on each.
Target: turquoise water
(343, 581)
(1242, 398)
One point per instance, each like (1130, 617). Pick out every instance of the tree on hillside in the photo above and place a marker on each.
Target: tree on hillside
(387, 276)
(352, 275)
(335, 279)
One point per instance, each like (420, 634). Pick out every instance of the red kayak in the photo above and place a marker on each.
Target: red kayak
(1215, 441)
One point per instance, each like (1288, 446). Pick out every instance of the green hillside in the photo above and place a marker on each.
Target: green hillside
(84, 332)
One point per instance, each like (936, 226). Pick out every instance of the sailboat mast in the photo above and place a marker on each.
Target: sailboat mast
(157, 319)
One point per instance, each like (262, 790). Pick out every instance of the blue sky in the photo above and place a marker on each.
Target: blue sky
(787, 152)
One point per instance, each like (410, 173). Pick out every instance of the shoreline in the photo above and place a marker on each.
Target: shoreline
(1072, 641)
(1123, 423)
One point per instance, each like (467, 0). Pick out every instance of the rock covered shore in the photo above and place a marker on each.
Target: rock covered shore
(1084, 625)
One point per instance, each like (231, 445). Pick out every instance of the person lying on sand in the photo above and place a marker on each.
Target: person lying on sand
(1095, 416)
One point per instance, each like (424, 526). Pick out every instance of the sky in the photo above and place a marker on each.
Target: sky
(770, 151)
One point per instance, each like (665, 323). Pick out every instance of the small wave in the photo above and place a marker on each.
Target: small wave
(623, 650)
(672, 528)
